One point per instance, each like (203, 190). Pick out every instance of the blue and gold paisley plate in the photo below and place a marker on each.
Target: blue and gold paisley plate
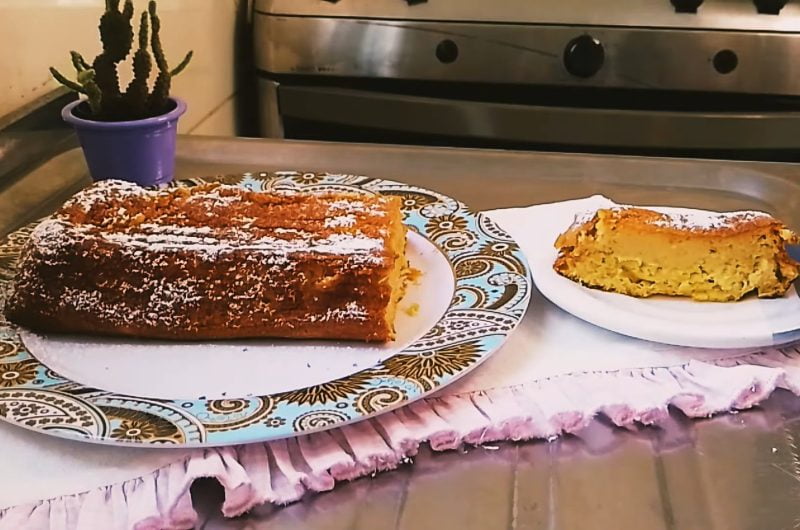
(471, 307)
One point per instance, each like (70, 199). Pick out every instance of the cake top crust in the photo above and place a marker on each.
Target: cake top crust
(173, 230)
(210, 219)
(698, 222)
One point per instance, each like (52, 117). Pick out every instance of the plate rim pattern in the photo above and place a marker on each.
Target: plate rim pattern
(492, 291)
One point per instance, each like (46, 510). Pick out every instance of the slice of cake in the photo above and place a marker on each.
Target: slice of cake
(214, 262)
(703, 255)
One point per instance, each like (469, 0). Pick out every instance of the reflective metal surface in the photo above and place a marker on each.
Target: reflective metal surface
(481, 178)
(541, 124)
(455, 73)
(727, 473)
(270, 118)
(713, 14)
(732, 472)
(495, 53)
(32, 134)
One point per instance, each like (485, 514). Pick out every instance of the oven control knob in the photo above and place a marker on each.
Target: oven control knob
(686, 6)
(584, 56)
(770, 7)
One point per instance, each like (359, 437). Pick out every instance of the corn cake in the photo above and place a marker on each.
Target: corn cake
(703, 255)
(214, 262)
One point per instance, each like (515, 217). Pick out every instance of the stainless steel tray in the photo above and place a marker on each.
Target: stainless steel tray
(484, 179)
(732, 472)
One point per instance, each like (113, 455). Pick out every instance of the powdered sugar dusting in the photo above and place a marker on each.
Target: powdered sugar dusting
(48, 234)
(53, 234)
(82, 300)
(703, 220)
(684, 218)
(584, 217)
(360, 248)
(350, 206)
(350, 311)
(174, 230)
(342, 220)
(101, 190)
(160, 309)
(217, 197)
(174, 265)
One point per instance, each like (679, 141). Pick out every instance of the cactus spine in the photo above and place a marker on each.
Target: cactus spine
(100, 80)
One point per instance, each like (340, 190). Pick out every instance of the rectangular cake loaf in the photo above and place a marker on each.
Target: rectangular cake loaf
(214, 262)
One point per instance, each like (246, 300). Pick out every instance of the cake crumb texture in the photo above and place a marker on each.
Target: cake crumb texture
(703, 255)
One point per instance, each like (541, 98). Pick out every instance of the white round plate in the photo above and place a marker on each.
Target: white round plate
(750, 322)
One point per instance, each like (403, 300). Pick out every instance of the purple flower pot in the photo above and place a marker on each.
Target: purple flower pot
(140, 151)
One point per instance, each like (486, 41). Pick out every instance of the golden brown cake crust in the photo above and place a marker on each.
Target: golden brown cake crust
(703, 255)
(213, 262)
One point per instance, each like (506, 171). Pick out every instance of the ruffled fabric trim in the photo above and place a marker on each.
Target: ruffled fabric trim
(282, 471)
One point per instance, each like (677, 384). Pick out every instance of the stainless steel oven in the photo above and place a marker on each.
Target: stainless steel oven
(717, 78)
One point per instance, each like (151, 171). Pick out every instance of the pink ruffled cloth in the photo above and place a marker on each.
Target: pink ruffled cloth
(552, 377)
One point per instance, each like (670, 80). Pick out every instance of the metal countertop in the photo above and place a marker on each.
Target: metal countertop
(481, 178)
(734, 471)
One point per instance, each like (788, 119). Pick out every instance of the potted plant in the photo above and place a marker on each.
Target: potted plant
(130, 134)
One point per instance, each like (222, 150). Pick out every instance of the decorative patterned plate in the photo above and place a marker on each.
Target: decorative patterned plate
(489, 295)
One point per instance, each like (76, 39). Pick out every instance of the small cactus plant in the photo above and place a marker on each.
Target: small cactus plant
(99, 81)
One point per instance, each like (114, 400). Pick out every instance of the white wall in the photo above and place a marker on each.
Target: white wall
(35, 34)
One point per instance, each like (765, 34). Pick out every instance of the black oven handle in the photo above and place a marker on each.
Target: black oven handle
(646, 129)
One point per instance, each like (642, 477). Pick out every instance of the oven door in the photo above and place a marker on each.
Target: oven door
(698, 125)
